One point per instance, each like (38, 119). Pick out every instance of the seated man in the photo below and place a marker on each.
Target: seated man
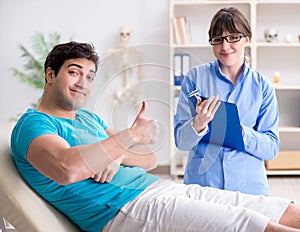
(98, 179)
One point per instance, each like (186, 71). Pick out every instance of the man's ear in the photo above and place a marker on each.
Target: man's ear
(50, 75)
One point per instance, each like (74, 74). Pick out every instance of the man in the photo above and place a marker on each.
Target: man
(98, 179)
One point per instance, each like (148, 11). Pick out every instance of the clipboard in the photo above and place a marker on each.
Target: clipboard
(224, 128)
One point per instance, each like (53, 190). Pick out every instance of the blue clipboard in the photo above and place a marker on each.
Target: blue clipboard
(225, 128)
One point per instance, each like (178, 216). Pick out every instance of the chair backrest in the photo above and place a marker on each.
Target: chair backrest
(19, 204)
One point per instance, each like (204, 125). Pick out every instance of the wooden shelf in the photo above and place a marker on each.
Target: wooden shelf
(283, 172)
(284, 161)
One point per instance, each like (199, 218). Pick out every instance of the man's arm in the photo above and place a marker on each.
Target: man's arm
(138, 155)
(52, 155)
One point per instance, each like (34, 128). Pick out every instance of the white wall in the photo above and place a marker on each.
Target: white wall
(95, 21)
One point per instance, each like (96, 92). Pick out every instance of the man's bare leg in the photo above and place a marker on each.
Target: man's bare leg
(275, 227)
(291, 216)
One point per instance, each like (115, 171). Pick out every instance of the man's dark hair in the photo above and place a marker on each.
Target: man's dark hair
(62, 52)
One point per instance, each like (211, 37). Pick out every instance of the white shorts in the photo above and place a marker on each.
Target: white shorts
(167, 206)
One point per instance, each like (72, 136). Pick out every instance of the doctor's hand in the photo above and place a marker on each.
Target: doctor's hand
(206, 110)
(107, 174)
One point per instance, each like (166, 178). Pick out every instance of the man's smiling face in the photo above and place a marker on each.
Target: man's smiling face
(73, 83)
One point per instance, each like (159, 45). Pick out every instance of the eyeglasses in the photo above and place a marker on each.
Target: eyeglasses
(233, 38)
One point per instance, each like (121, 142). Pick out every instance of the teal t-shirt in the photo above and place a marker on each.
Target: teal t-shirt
(87, 203)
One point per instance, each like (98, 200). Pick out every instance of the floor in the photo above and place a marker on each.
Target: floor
(287, 187)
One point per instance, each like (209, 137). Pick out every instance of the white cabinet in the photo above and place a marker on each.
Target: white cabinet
(267, 58)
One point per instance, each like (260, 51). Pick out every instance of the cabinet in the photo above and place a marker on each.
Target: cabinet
(280, 56)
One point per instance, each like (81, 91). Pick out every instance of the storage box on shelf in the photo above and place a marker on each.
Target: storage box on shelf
(281, 56)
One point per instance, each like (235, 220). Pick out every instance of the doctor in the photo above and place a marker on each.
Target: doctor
(228, 78)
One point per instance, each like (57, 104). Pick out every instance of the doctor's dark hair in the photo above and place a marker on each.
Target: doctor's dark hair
(229, 20)
(62, 52)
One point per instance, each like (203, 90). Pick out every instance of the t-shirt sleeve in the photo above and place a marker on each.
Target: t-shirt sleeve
(101, 122)
(29, 128)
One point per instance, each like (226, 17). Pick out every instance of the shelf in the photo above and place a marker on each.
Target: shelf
(276, 2)
(289, 129)
(192, 45)
(287, 87)
(217, 2)
(283, 172)
(176, 87)
(179, 171)
(205, 2)
(278, 44)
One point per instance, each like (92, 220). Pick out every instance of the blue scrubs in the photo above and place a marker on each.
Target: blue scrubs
(223, 167)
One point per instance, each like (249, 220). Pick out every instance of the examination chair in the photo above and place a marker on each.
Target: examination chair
(25, 210)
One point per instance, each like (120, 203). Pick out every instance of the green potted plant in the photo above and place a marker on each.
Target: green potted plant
(32, 72)
(33, 68)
